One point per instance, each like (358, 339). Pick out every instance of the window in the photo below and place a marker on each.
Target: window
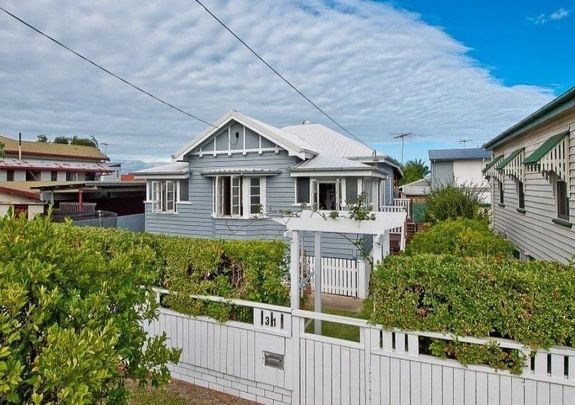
(9, 175)
(32, 175)
(53, 175)
(562, 196)
(302, 190)
(71, 176)
(164, 196)
(90, 176)
(501, 192)
(351, 190)
(521, 195)
(237, 196)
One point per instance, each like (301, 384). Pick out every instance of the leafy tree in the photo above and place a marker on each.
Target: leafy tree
(42, 138)
(62, 140)
(2, 153)
(414, 170)
(84, 141)
(71, 315)
(451, 201)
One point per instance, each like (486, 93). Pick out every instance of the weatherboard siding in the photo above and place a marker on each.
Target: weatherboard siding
(534, 232)
(194, 217)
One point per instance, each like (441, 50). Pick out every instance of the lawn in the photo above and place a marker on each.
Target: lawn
(337, 330)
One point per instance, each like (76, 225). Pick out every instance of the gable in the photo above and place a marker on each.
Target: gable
(233, 138)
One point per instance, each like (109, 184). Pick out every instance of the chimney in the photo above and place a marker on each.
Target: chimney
(306, 122)
(19, 145)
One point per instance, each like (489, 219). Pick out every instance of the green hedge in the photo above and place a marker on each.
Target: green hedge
(530, 302)
(248, 269)
(460, 237)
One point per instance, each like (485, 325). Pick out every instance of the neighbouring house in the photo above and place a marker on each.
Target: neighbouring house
(416, 193)
(532, 176)
(232, 178)
(30, 164)
(462, 167)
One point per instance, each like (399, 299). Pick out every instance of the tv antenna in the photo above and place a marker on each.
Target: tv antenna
(402, 137)
(464, 142)
(105, 145)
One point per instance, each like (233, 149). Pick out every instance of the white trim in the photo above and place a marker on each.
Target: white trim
(224, 120)
(238, 151)
(339, 173)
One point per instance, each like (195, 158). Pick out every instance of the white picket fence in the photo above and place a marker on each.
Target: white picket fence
(338, 276)
(274, 360)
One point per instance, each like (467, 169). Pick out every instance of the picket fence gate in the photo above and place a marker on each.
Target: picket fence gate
(338, 276)
(274, 360)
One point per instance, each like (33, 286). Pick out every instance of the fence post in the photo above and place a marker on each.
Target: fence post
(298, 328)
(362, 279)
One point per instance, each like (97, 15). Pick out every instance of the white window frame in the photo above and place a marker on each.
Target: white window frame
(164, 196)
(240, 191)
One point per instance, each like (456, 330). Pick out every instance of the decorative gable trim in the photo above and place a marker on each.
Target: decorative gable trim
(253, 125)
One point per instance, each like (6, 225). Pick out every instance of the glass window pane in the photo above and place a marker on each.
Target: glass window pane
(351, 190)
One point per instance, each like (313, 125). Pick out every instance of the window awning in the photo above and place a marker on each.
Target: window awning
(489, 170)
(512, 165)
(239, 171)
(551, 156)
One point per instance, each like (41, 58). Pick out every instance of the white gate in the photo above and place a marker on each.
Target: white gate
(338, 276)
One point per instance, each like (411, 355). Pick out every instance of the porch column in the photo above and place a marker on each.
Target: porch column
(377, 248)
(317, 281)
(362, 279)
(386, 242)
(294, 270)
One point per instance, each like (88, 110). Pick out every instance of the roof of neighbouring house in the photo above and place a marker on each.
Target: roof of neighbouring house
(53, 149)
(548, 111)
(23, 188)
(170, 168)
(459, 154)
(54, 165)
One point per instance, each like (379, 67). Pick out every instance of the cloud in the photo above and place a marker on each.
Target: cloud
(557, 15)
(378, 69)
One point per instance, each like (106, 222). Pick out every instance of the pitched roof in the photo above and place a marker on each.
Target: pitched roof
(54, 165)
(324, 140)
(23, 188)
(459, 154)
(548, 111)
(331, 162)
(170, 168)
(53, 149)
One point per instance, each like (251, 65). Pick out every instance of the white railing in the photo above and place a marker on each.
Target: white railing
(403, 202)
(274, 358)
(393, 208)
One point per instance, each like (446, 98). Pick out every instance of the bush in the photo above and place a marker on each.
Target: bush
(530, 302)
(70, 315)
(248, 269)
(451, 201)
(460, 237)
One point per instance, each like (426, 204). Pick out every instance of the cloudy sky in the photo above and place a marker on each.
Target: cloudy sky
(378, 68)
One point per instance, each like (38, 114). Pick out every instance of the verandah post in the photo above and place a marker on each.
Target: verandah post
(294, 270)
(317, 281)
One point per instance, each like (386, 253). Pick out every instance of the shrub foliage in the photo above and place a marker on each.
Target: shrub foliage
(531, 302)
(70, 315)
(451, 201)
(460, 237)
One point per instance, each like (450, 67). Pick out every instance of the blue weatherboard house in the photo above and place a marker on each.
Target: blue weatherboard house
(232, 178)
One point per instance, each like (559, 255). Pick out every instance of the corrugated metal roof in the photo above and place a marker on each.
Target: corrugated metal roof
(53, 165)
(331, 162)
(171, 168)
(324, 140)
(459, 154)
(52, 149)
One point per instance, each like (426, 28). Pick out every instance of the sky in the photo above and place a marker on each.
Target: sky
(445, 71)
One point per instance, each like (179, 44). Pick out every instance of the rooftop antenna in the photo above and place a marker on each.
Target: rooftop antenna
(105, 145)
(464, 142)
(402, 137)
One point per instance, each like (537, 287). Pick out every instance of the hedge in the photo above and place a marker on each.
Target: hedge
(71, 315)
(530, 302)
(254, 270)
(460, 237)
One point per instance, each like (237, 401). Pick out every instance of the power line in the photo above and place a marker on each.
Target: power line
(279, 74)
(125, 81)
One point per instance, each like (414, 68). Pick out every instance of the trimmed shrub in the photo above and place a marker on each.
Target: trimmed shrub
(248, 269)
(71, 314)
(451, 201)
(460, 237)
(530, 302)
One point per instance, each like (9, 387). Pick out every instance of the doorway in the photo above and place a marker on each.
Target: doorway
(327, 196)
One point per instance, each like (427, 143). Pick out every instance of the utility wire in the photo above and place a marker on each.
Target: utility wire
(279, 74)
(120, 78)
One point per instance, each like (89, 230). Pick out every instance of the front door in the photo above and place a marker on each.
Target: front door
(327, 196)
